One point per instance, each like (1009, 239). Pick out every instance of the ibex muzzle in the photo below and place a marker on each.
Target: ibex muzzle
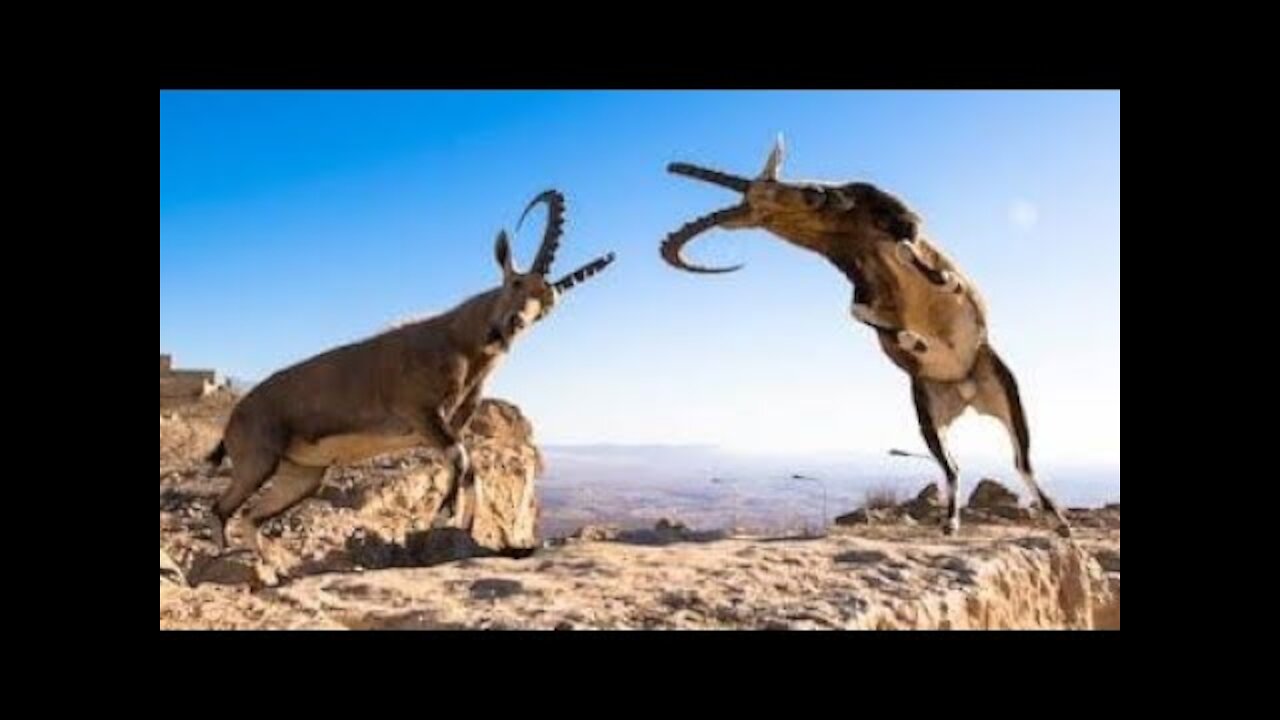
(930, 320)
(417, 385)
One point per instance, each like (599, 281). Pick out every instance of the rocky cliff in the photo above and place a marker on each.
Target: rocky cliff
(375, 514)
(362, 556)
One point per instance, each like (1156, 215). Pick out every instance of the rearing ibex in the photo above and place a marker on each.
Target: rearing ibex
(931, 321)
(414, 386)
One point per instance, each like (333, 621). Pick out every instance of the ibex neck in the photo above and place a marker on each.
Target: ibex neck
(847, 263)
(469, 323)
(835, 247)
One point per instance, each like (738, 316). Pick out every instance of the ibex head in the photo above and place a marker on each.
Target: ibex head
(809, 214)
(527, 297)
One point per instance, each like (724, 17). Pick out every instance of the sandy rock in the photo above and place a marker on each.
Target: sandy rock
(989, 495)
(595, 533)
(861, 516)
(876, 516)
(1107, 518)
(665, 532)
(238, 569)
(839, 582)
(364, 555)
(1000, 514)
(169, 570)
(377, 514)
(926, 505)
(1108, 558)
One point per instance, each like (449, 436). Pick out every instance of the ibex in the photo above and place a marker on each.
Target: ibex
(931, 321)
(417, 385)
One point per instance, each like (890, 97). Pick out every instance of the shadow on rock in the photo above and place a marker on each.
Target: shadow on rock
(423, 549)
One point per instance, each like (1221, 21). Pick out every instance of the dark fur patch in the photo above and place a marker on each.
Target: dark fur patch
(888, 212)
(219, 453)
(929, 430)
(1016, 414)
(934, 276)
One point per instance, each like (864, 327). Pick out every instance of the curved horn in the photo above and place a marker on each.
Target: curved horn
(555, 226)
(673, 246)
(583, 272)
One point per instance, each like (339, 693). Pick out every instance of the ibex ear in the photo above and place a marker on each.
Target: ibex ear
(502, 252)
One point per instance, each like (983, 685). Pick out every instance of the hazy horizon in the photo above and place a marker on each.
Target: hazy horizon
(711, 488)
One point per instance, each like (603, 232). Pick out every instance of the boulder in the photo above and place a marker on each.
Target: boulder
(989, 495)
(926, 505)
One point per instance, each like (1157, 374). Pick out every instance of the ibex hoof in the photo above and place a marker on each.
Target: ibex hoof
(268, 576)
(463, 521)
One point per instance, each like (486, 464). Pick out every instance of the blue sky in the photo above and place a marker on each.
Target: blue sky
(291, 222)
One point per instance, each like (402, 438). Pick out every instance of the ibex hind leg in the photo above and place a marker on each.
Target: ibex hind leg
(998, 397)
(290, 485)
(249, 471)
(937, 406)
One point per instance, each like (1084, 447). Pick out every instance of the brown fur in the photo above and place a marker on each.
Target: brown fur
(416, 385)
(927, 299)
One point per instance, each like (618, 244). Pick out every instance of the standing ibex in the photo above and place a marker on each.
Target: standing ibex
(414, 386)
(930, 319)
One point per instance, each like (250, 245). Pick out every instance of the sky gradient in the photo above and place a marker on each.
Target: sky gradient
(291, 222)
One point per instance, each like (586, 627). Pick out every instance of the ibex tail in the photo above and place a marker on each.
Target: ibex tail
(215, 458)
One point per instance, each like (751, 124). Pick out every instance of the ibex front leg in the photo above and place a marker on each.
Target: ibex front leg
(909, 254)
(435, 423)
(864, 311)
(937, 406)
(461, 476)
(465, 477)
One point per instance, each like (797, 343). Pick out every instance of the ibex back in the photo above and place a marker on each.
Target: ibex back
(417, 385)
(930, 320)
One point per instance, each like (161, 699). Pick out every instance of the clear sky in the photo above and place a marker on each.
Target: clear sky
(291, 222)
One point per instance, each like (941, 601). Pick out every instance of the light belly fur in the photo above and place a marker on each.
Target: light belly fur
(948, 321)
(344, 449)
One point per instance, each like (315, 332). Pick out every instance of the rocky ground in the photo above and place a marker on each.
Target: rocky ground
(372, 515)
(362, 555)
